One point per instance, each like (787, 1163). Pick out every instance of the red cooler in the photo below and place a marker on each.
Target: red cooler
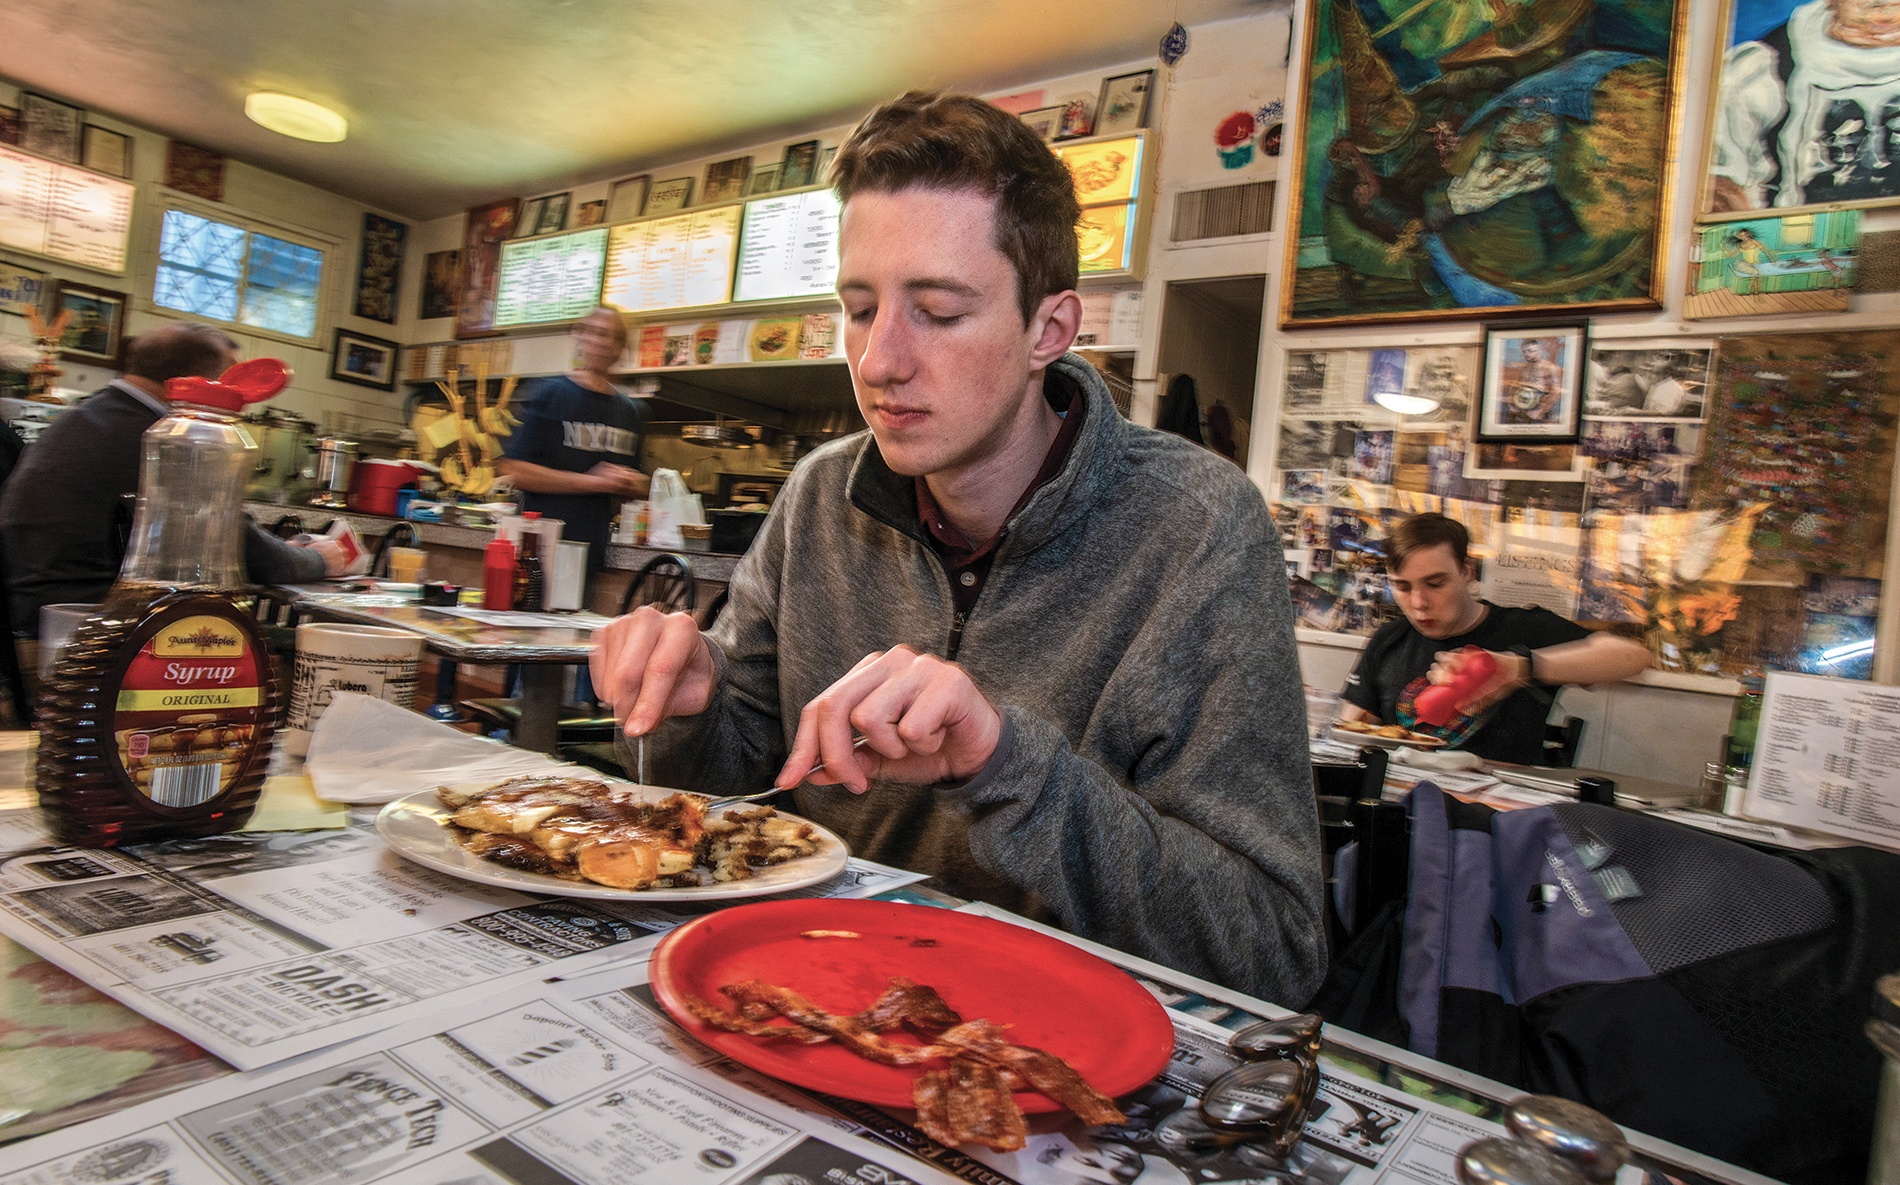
(374, 483)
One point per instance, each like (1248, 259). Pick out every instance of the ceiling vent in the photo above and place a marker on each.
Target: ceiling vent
(1225, 212)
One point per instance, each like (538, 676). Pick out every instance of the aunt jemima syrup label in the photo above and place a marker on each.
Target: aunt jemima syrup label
(189, 708)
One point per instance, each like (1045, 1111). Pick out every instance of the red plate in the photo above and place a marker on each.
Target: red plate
(1054, 996)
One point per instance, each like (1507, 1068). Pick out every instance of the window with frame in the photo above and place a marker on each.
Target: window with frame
(232, 273)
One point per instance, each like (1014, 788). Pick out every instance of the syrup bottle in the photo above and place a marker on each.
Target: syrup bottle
(530, 579)
(159, 716)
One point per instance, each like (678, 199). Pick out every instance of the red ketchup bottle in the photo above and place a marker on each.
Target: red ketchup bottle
(1437, 705)
(498, 575)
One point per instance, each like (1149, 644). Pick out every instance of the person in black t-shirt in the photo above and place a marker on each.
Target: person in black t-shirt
(575, 454)
(1431, 576)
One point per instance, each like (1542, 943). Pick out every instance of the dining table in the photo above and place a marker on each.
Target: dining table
(541, 645)
(304, 1005)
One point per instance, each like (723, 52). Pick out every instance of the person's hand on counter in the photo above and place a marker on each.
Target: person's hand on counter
(651, 665)
(620, 481)
(923, 719)
(336, 559)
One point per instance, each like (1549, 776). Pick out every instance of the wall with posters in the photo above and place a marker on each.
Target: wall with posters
(307, 213)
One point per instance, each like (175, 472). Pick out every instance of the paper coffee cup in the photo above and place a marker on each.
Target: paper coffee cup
(332, 658)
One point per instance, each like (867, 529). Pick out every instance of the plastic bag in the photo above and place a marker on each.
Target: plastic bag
(366, 750)
(670, 507)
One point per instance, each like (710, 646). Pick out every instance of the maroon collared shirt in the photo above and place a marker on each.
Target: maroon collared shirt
(967, 563)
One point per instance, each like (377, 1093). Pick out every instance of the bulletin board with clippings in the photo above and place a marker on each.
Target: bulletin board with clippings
(1726, 502)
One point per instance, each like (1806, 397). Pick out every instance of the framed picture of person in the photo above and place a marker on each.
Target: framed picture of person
(1124, 103)
(1533, 384)
(364, 360)
(97, 326)
(1805, 113)
(1438, 165)
(1044, 121)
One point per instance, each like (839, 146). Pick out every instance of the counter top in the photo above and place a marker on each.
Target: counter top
(623, 557)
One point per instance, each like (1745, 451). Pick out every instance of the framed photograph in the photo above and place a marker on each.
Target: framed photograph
(487, 227)
(1533, 384)
(627, 198)
(21, 288)
(1078, 118)
(1124, 103)
(1664, 378)
(1044, 121)
(553, 213)
(590, 213)
(824, 163)
(764, 180)
(799, 166)
(438, 284)
(1804, 263)
(725, 179)
(379, 268)
(98, 322)
(9, 125)
(363, 360)
(530, 217)
(107, 151)
(51, 128)
(194, 170)
(1787, 136)
(668, 196)
(1428, 129)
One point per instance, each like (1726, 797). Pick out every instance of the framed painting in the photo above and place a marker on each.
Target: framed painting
(487, 227)
(106, 151)
(590, 213)
(438, 284)
(1123, 106)
(1806, 111)
(1043, 121)
(799, 166)
(364, 360)
(98, 322)
(764, 180)
(379, 268)
(725, 179)
(1532, 391)
(1467, 160)
(51, 128)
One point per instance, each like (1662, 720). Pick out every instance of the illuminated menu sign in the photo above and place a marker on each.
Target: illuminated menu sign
(1107, 177)
(672, 263)
(63, 212)
(550, 279)
(789, 248)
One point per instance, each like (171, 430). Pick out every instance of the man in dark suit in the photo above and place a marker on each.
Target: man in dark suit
(65, 508)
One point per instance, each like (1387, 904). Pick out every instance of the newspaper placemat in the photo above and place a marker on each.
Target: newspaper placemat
(260, 947)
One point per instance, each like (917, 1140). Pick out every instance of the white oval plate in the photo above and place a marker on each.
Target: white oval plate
(417, 828)
(1347, 736)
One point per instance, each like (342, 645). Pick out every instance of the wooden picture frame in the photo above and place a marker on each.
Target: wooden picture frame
(364, 360)
(106, 151)
(1823, 142)
(1532, 386)
(726, 180)
(1411, 200)
(1123, 106)
(627, 197)
(51, 128)
(97, 330)
(667, 196)
(1044, 121)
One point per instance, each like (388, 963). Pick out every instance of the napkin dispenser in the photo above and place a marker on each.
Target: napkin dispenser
(567, 576)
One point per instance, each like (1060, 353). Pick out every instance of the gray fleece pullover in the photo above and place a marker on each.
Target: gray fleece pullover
(1152, 789)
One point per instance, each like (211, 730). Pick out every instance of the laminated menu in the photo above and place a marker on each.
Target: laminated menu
(261, 946)
(1827, 758)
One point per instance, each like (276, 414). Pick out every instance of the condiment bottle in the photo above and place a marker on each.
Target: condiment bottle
(530, 581)
(498, 574)
(160, 712)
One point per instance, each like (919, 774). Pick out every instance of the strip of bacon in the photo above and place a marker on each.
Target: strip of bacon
(981, 1110)
(849, 1030)
(913, 1005)
(1044, 1072)
(930, 1094)
(734, 1022)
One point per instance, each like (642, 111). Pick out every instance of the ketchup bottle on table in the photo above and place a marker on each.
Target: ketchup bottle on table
(1437, 705)
(498, 575)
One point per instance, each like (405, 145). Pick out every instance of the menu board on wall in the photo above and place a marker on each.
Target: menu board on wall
(671, 263)
(789, 247)
(64, 212)
(550, 279)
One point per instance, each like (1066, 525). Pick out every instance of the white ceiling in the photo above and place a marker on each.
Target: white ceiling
(454, 102)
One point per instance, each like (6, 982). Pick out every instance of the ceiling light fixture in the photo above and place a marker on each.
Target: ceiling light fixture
(297, 118)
